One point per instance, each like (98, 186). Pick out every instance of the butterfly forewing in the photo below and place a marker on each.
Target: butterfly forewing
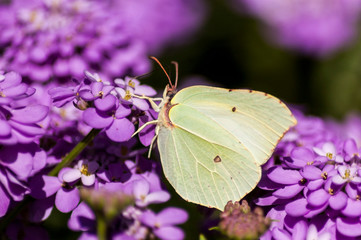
(255, 119)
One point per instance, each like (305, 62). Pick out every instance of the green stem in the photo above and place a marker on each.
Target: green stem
(75, 151)
(101, 227)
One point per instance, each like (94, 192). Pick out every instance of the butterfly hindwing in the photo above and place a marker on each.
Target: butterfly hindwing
(205, 173)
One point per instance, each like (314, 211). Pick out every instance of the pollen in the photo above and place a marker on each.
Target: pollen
(309, 163)
(101, 94)
(324, 175)
(32, 16)
(347, 174)
(84, 170)
(128, 95)
(2, 94)
(131, 84)
(329, 155)
(62, 113)
(330, 191)
(303, 181)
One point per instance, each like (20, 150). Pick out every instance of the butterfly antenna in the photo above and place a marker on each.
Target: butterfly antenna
(141, 76)
(176, 73)
(157, 61)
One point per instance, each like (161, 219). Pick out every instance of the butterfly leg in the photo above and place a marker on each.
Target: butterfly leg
(146, 124)
(153, 140)
(155, 106)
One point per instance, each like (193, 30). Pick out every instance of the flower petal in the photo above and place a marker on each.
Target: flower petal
(106, 103)
(301, 156)
(288, 192)
(165, 232)
(5, 128)
(297, 208)
(4, 201)
(318, 197)
(71, 175)
(148, 218)
(157, 197)
(337, 179)
(338, 201)
(284, 176)
(172, 216)
(311, 172)
(140, 189)
(30, 114)
(88, 180)
(82, 218)
(350, 227)
(352, 209)
(44, 186)
(281, 234)
(41, 209)
(67, 199)
(96, 119)
(121, 130)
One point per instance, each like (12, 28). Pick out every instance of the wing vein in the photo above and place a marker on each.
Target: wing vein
(180, 168)
(198, 179)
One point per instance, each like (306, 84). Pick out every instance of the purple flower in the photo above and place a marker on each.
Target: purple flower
(117, 127)
(64, 95)
(143, 196)
(66, 195)
(84, 170)
(129, 87)
(315, 27)
(162, 223)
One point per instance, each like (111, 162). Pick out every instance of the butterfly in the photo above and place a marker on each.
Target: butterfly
(212, 141)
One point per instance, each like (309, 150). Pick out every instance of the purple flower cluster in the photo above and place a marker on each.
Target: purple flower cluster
(34, 140)
(46, 39)
(20, 157)
(114, 168)
(61, 39)
(106, 105)
(172, 22)
(316, 27)
(313, 182)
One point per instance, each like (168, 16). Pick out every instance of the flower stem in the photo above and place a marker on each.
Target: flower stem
(75, 151)
(101, 227)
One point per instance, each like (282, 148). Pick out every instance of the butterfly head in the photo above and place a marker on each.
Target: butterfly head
(169, 93)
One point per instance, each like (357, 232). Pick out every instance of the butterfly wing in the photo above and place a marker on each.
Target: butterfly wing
(218, 141)
(203, 172)
(256, 119)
